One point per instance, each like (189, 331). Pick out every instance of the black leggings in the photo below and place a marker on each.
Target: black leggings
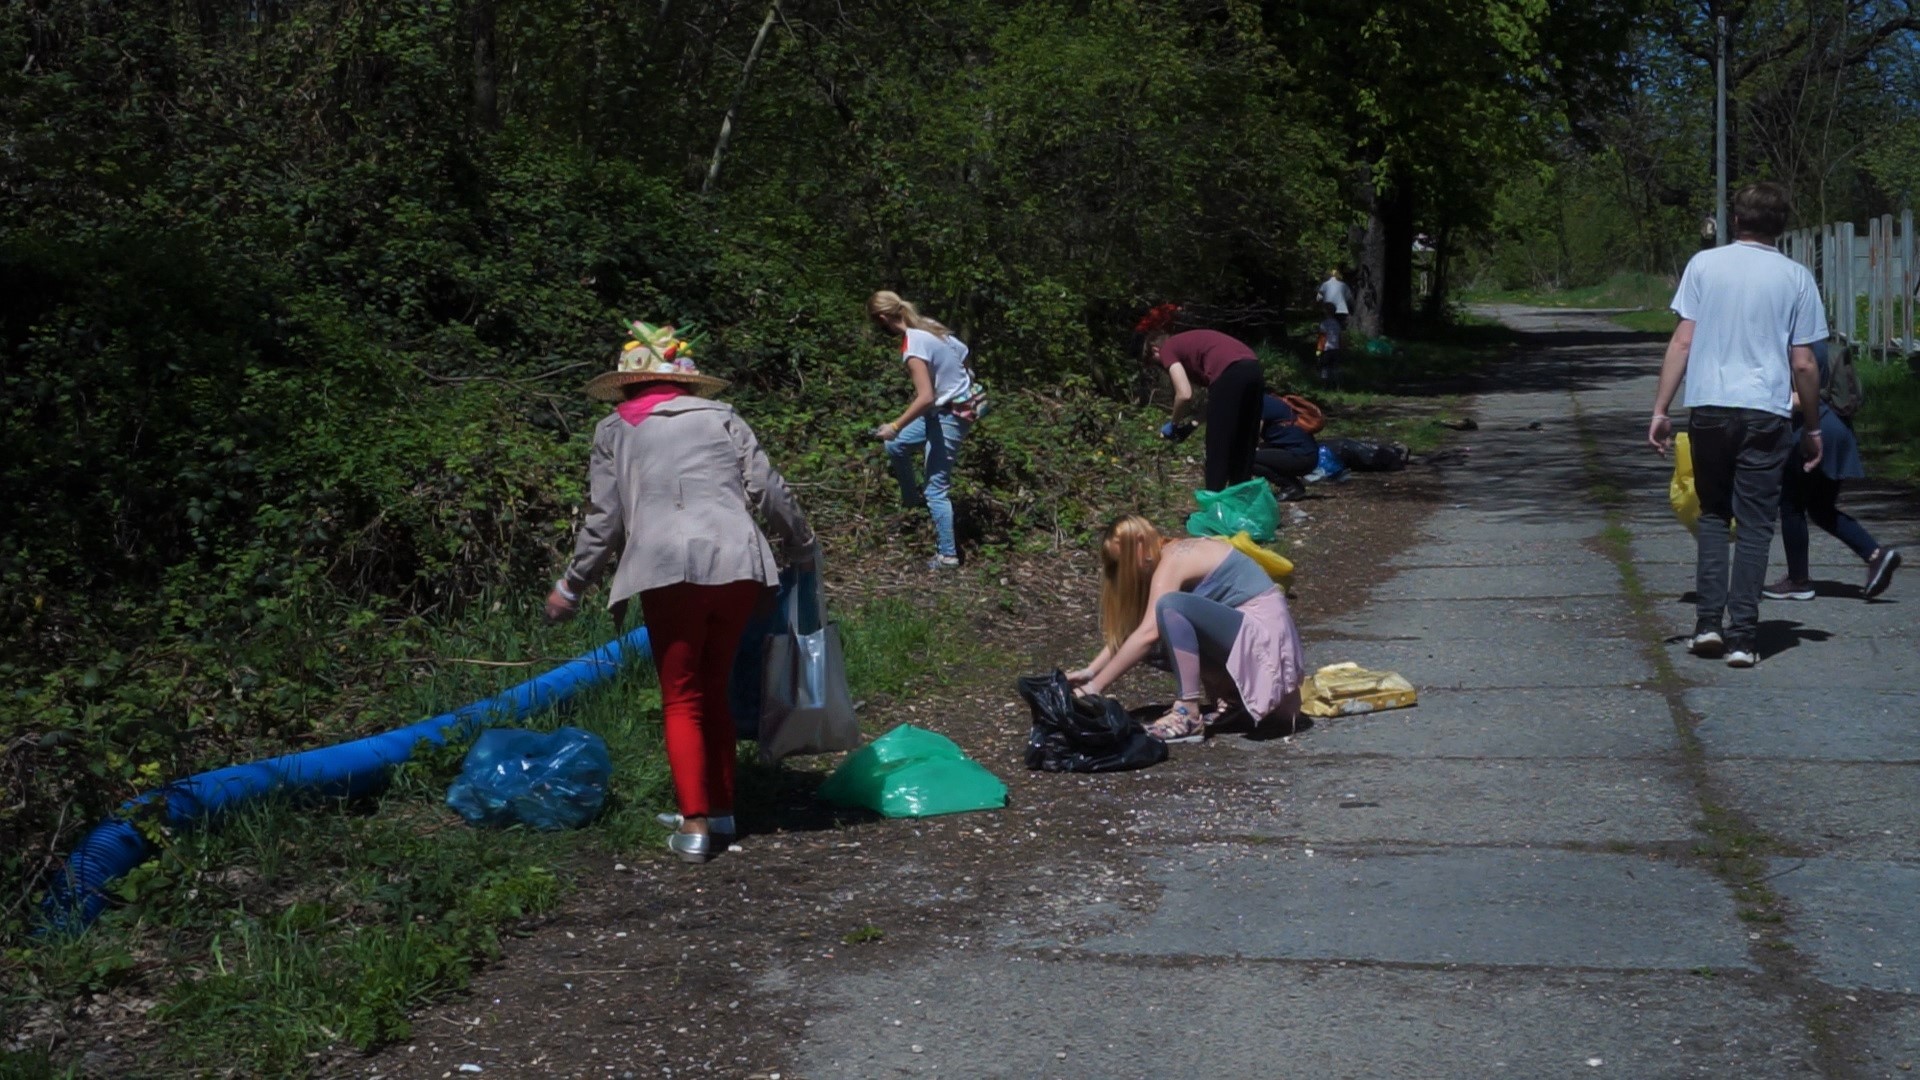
(1233, 424)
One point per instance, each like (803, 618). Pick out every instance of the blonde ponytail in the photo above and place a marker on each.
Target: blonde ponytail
(887, 304)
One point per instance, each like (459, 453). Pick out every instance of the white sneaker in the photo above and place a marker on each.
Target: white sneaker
(1739, 657)
(1707, 643)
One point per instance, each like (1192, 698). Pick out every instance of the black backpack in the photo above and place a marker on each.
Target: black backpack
(1841, 389)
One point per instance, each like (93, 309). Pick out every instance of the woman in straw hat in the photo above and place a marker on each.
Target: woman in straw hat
(673, 477)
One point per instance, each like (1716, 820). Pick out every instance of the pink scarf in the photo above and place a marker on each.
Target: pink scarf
(640, 406)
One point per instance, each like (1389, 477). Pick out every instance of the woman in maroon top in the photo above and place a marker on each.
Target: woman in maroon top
(1227, 368)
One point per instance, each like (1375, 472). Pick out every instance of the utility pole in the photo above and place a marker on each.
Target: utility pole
(1720, 130)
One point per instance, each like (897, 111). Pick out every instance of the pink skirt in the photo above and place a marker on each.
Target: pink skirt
(1266, 662)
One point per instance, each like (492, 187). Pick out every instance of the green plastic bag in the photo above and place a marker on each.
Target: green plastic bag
(1379, 346)
(912, 772)
(1249, 508)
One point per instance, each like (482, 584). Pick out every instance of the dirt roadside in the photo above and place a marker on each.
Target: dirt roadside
(656, 968)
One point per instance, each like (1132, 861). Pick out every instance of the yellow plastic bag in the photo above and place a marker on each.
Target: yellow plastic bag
(1681, 491)
(1276, 565)
(1349, 690)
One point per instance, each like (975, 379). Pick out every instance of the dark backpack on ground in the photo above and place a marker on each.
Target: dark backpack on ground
(1083, 734)
(1841, 390)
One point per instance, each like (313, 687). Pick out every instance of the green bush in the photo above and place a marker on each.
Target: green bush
(1888, 424)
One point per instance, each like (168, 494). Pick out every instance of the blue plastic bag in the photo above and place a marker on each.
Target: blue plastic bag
(554, 780)
(1330, 467)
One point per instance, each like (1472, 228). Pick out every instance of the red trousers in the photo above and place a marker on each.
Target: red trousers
(694, 630)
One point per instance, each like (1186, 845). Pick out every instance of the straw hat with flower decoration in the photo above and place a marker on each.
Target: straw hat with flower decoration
(656, 354)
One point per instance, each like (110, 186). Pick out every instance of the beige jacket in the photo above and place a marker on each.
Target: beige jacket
(670, 497)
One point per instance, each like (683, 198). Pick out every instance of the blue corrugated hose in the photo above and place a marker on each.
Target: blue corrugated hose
(348, 770)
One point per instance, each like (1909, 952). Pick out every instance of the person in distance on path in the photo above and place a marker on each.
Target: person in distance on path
(1336, 302)
(1749, 317)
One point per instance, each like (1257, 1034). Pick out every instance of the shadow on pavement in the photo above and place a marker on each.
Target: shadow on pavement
(1775, 636)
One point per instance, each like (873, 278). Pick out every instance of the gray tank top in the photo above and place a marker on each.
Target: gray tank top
(1235, 581)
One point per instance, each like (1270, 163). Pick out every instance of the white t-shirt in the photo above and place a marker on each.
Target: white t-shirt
(946, 361)
(1334, 291)
(1750, 305)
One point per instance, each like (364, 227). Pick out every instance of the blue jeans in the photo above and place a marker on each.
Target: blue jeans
(942, 441)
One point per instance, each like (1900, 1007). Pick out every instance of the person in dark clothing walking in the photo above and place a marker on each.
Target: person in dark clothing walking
(1815, 494)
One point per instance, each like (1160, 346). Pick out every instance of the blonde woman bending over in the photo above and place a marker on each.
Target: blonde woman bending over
(1222, 622)
(947, 399)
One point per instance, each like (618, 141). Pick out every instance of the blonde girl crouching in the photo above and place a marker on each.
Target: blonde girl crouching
(1220, 620)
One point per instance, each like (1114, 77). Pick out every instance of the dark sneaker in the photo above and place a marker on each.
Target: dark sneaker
(1880, 570)
(1707, 643)
(1788, 589)
(1741, 655)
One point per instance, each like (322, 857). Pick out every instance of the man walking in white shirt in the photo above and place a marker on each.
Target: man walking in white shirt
(1748, 319)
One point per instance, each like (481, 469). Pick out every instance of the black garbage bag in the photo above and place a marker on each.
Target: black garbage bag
(1083, 734)
(1361, 455)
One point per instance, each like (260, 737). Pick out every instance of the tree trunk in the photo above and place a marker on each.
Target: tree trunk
(486, 72)
(739, 97)
(1396, 214)
(1436, 301)
(1370, 274)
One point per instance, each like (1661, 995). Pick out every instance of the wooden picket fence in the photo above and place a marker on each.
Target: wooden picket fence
(1880, 267)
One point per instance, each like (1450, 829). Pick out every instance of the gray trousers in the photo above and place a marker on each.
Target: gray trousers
(1738, 455)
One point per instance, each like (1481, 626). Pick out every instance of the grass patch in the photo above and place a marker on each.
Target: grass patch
(1888, 423)
(1626, 289)
(1396, 394)
(1609, 494)
(899, 649)
(1389, 420)
(32, 1065)
(1650, 321)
